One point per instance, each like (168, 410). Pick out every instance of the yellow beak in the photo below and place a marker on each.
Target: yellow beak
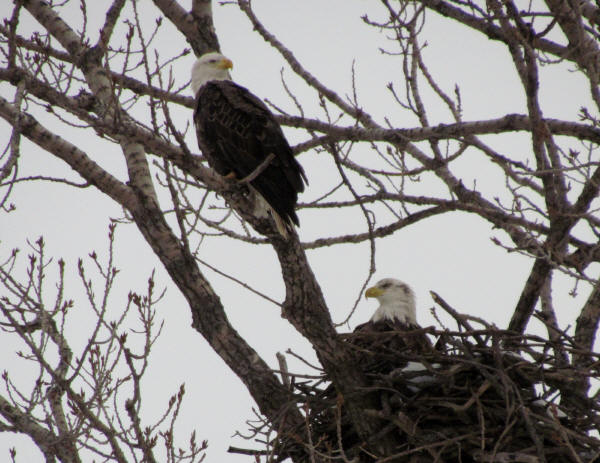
(225, 63)
(374, 291)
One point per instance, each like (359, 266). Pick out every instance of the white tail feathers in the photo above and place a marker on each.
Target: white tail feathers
(263, 209)
(282, 225)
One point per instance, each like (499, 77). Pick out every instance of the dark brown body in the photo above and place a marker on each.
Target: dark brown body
(236, 133)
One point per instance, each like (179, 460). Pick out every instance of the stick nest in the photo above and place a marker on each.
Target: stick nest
(479, 395)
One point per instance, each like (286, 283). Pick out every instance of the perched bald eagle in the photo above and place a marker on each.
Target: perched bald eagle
(393, 326)
(241, 140)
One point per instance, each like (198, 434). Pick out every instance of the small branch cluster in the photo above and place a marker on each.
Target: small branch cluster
(85, 401)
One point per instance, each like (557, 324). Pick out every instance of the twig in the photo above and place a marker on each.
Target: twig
(259, 170)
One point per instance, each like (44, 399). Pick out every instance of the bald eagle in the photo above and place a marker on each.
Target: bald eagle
(393, 326)
(241, 140)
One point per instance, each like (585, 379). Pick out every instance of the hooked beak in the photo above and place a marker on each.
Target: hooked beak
(374, 291)
(225, 63)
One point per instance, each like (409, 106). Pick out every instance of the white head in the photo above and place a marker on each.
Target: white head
(396, 299)
(210, 66)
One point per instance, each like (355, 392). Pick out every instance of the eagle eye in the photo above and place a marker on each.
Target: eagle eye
(385, 285)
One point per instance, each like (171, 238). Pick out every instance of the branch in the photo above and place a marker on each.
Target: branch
(259, 170)
(311, 80)
(69, 153)
(197, 27)
(112, 15)
(587, 326)
(486, 26)
(507, 123)
(46, 441)
(529, 296)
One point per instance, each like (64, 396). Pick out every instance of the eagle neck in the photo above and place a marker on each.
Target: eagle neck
(402, 311)
(199, 80)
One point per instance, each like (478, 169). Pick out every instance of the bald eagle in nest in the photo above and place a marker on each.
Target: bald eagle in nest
(393, 328)
(241, 140)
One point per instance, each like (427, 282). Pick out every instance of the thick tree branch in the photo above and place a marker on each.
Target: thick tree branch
(505, 124)
(197, 27)
(587, 327)
(49, 444)
(69, 153)
(112, 15)
(209, 318)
